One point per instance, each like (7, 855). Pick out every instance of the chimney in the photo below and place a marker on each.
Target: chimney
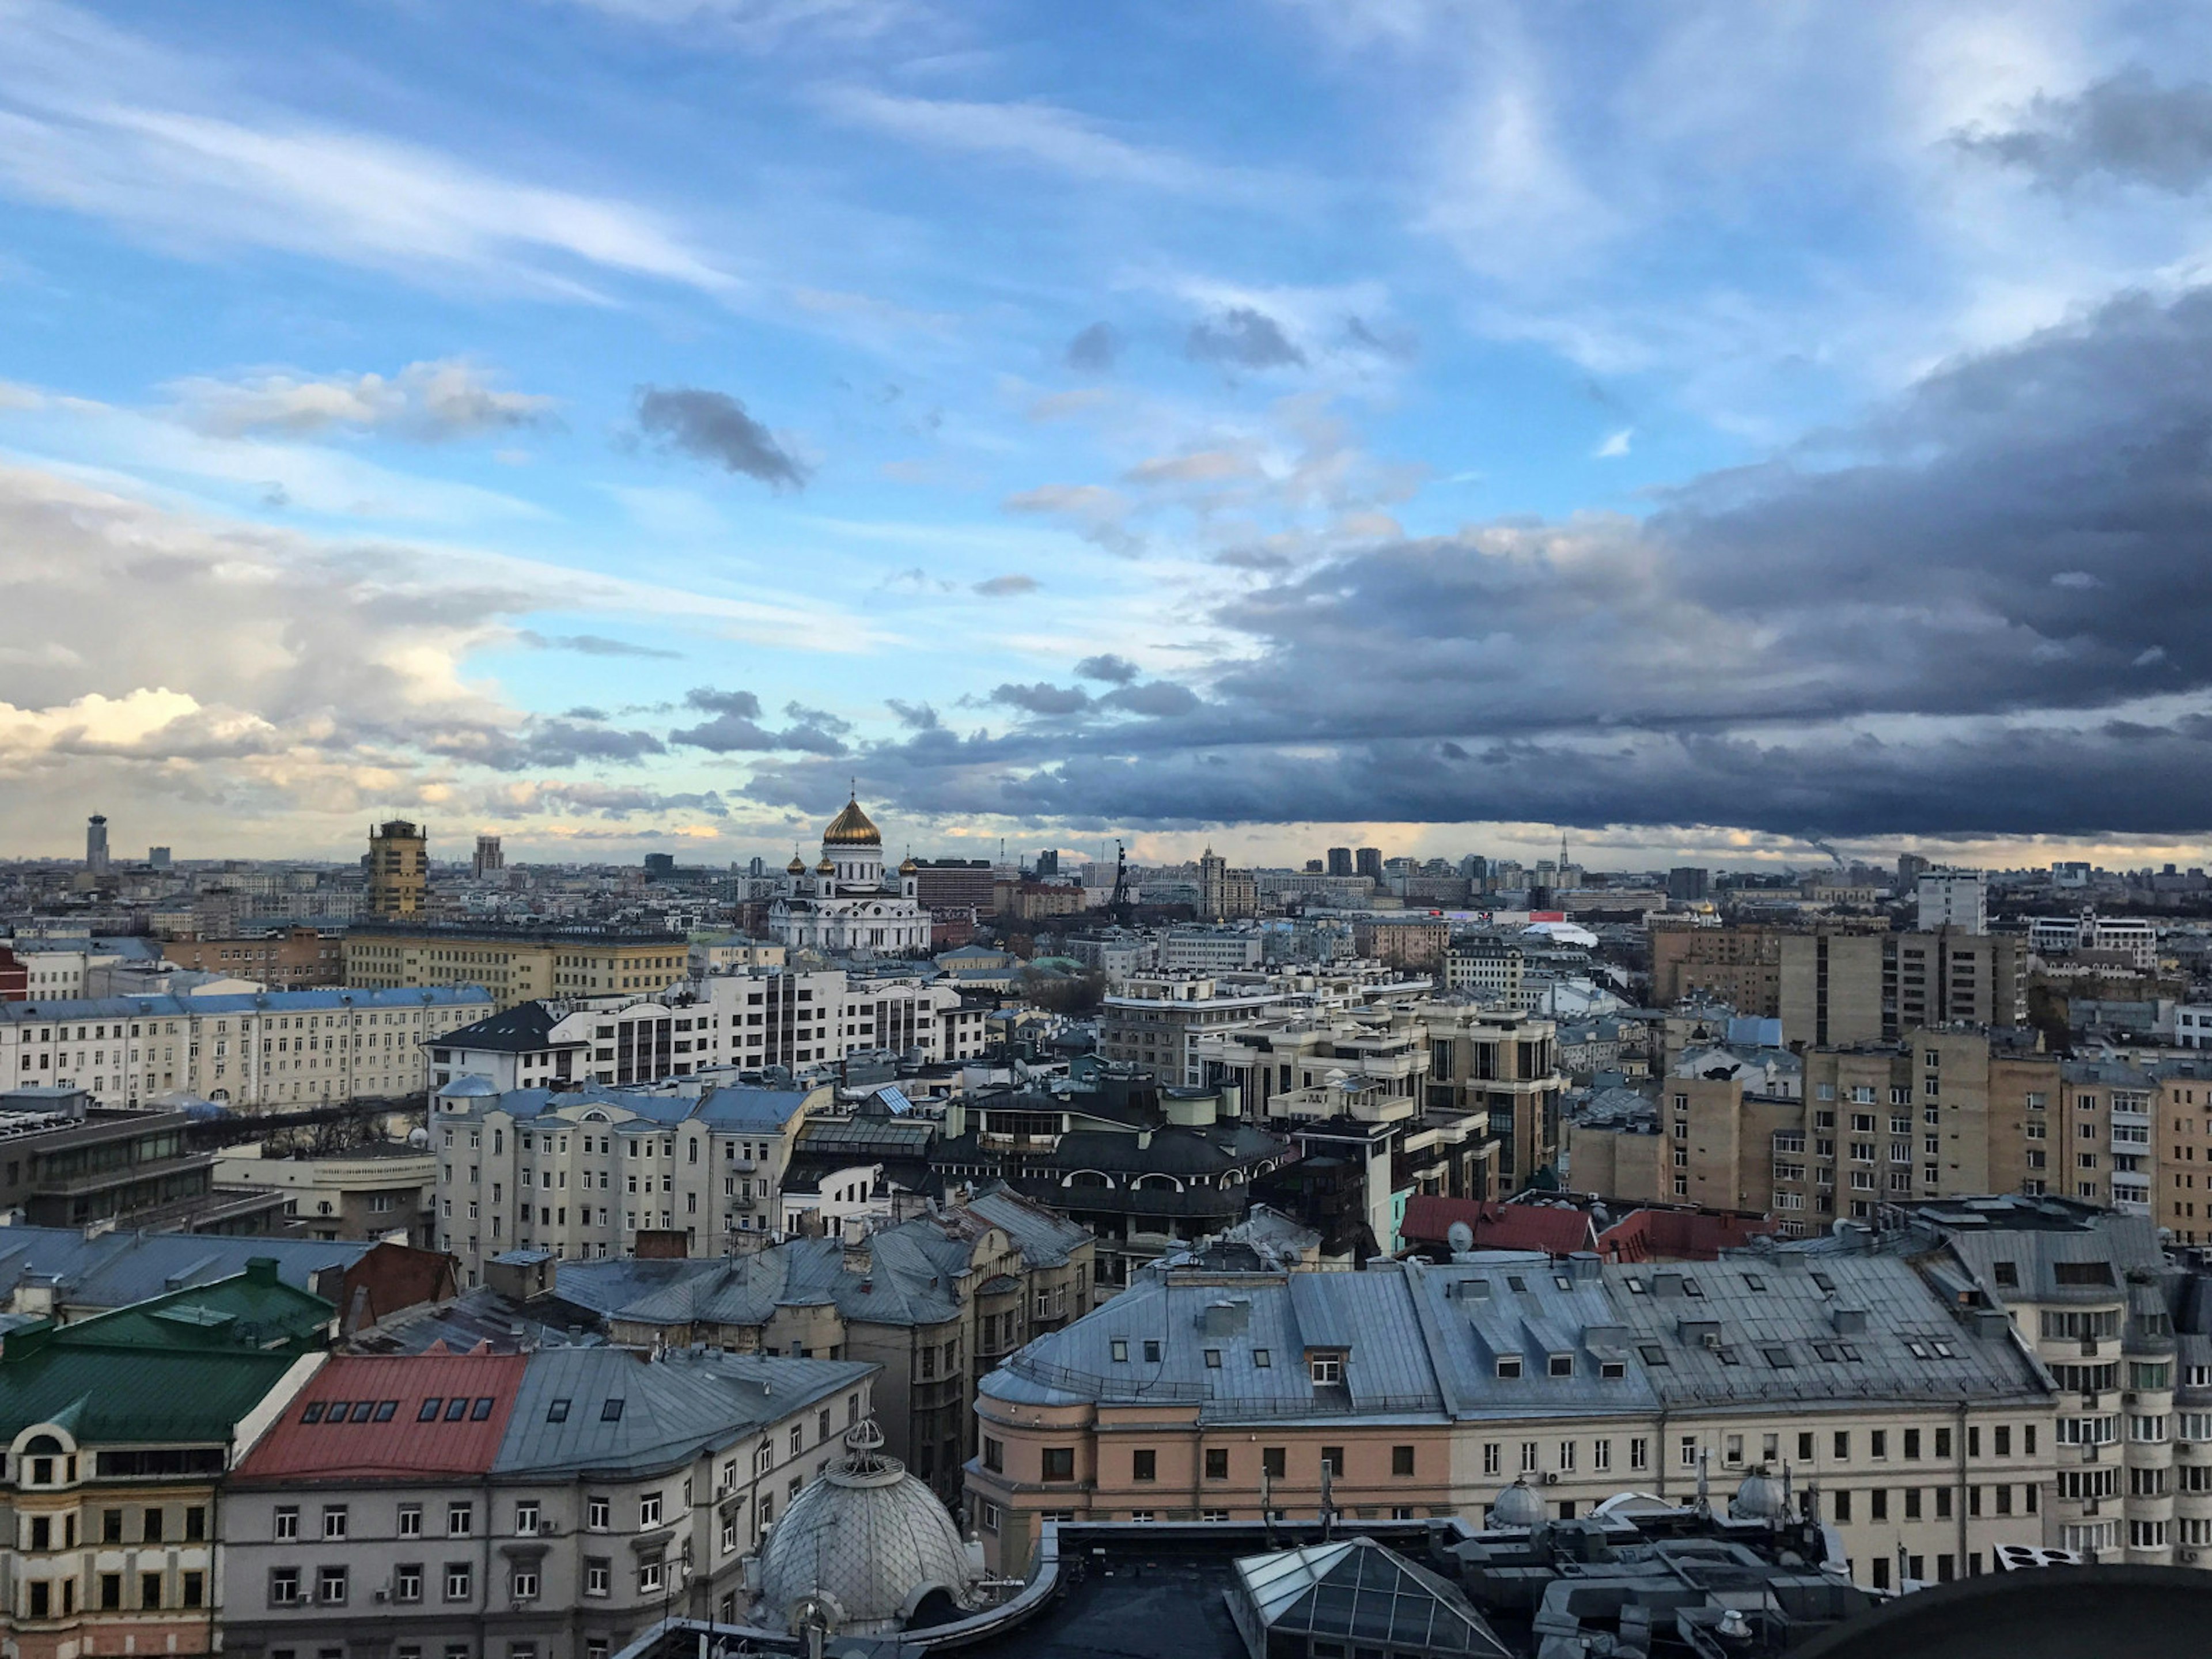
(1851, 1321)
(261, 1270)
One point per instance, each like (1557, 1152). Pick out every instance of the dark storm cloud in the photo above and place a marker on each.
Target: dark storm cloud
(736, 728)
(1115, 671)
(713, 427)
(590, 645)
(1094, 351)
(1160, 700)
(560, 742)
(1987, 612)
(2127, 127)
(1054, 701)
(1242, 338)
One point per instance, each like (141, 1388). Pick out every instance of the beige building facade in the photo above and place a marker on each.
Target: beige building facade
(516, 964)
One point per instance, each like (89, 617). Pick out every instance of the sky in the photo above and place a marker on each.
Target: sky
(1702, 430)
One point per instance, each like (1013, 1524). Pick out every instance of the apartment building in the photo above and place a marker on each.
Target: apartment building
(1947, 900)
(1839, 1132)
(118, 1431)
(1154, 1020)
(936, 1301)
(1412, 1390)
(286, 959)
(746, 1020)
(380, 1190)
(1503, 1065)
(1208, 949)
(1841, 987)
(1141, 1169)
(492, 1506)
(399, 866)
(256, 1052)
(1739, 966)
(1413, 945)
(2092, 1295)
(515, 964)
(1489, 968)
(582, 1173)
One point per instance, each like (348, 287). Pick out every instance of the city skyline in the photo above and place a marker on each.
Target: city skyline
(615, 424)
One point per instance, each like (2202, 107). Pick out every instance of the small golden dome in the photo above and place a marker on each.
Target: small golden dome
(908, 866)
(852, 828)
(825, 868)
(796, 867)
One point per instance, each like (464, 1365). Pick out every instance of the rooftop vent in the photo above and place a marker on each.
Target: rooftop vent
(1850, 1322)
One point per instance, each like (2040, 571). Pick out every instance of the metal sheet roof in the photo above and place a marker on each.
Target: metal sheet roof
(612, 1408)
(116, 1268)
(367, 1417)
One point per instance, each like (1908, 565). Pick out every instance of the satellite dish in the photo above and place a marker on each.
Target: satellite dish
(1460, 1237)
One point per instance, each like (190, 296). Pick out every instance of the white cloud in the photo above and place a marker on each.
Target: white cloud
(428, 401)
(1037, 134)
(1615, 445)
(99, 122)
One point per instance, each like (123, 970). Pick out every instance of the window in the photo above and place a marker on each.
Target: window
(524, 1583)
(329, 1586)
(460, 1520)
(598, 1513)
(650, 1576)
(152, 1527)
(1401, 1460)
(1332, 1459)
(287, 1525)
(1639, 1453)
(1509, 1364)
(1060, 1462)
(994, 1454)
(334, 1520)
(1562, 1364)
(599, 1575)
(525, 1520)
(1327, 1368)
(1217, 1463)
(1272, 1461)
(411, 1520)
(407, 1582)
(460, 1581)
(283, 1587)
(1144, 1465)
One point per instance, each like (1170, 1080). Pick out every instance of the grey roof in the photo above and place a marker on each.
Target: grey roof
(718, 1106)
(526, 1028)
(164, 1006)
(670, 1408)
(118, 1268)
(1427, 1341)
(2015, 1247)
(909, 1277)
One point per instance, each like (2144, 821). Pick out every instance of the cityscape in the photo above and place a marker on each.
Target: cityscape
(1304, 830)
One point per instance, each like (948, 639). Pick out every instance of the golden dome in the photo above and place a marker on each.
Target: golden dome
(907, 865)
(825, 868)
(851, 828)
(796, 867)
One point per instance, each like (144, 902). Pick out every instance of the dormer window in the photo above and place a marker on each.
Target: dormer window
(1509, 1364)
(1561, 1364)
(1327, 1368)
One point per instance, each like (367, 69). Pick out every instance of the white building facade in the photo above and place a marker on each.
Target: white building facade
(846, 903)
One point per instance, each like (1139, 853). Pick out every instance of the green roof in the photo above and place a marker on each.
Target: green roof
(187, 1365)
(109, 1394)
(254, 1310)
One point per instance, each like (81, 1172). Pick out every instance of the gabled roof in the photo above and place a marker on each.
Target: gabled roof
(526, 1028)
(598, 1408)
(118, 1268)
(366, 1417)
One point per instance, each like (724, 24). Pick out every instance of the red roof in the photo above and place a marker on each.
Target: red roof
(1552, 1228)
(1679, 1235)
(398, 1416)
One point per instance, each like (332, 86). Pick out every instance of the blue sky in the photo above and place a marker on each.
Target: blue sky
(616, 423)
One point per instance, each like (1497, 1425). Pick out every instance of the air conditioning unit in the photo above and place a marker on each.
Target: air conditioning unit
(382, 1595)
(1551, 1477)
(2188, 1558)
(2129, 1398)
(2089, 1505)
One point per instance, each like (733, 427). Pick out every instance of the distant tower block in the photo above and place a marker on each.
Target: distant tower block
(399, 869)
(488, 857)
(95, 844)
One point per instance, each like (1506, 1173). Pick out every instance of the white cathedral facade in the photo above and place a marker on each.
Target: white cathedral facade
(846, 903)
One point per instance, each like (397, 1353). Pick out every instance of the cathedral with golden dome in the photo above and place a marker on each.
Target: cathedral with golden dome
(845, 904)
